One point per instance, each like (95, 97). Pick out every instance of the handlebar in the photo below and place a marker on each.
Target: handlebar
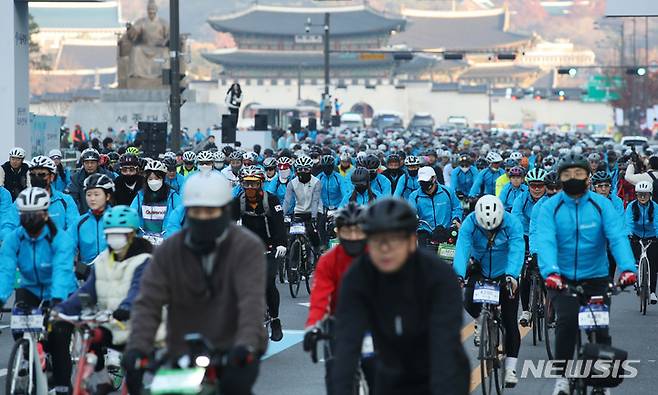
(97, 318)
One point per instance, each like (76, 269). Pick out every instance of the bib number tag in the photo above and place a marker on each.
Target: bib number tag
(177, 381)
(486, 293)
(154, 213)
(27, 321)
(594, 316)
(297, 229)
(446, 251)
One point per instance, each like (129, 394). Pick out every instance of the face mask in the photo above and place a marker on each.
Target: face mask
(427, 186)
(205, 168)
(413, 173)
(204, 232)
(218, 166)
(130, 179)
(251, 193)
(236, 169)
(372, 176)
(304, 177)
(155, 185)
(328, 170)
(39, 182)
(284, 174)
(360, 188)
(117, 241)
(574, 187)
(353, 247)
(464, 168)
(33, 222)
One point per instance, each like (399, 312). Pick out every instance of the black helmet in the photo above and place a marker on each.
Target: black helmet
(393, 158)
(170, 163)
(552, 180)
(573, 160)
(360, 176)
(390, 215)
(114, 157)
(352, 214)
(98, 180)
(601, 176)
(129, 160)
(327, 160)
(227, 149)
(90, 154)
(370, 162)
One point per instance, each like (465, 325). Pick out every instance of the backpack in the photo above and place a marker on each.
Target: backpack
(654, 195)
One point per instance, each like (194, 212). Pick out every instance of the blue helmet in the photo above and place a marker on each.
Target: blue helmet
(120, 219)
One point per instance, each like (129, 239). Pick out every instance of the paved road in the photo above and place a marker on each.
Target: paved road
(287, 370)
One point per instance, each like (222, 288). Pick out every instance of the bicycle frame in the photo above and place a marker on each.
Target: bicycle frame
(34, 365)
(644, 245)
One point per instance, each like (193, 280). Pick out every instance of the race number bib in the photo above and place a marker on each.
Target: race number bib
(154, 213)
(594, 316)
(486, 293)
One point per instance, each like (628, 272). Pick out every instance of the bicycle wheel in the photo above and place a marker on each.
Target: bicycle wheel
(499, 360)
(281, 268)
(19, 374)
(486, 354)
(294, 275)
(308, 266)
(539, 316)
(549, 326)
(644, 285)
(533, 309)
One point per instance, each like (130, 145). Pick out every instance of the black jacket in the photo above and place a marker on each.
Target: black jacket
(268, 226)
(15, 181)
(415, 317)
(393, 177)
(123, 194)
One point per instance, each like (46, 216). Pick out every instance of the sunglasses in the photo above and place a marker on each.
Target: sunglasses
(537, 186)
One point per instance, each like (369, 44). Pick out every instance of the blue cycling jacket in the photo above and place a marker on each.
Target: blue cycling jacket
(175, 221)
(381, 185)
(523, 208)
(485, 182)
(532, 229)
(88, 237)
(362, 199)
(437, 210)
(462, 181)
(278, 188)
(61, 184)
(8, 216)
(406, 186)
(573, 234)
(176, 183)
(45, 264)
(646, 226)
(173, 201)
(62, 211)
(502, 257)
(617, 203)
(509, 194)
(333, 187)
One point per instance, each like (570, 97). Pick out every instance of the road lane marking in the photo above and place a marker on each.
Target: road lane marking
(290, 338)
(468, 331)
(306, 304)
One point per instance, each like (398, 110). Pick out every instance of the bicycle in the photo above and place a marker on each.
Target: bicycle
(643, 279)
(301, 259)
(491, 350)
(28, 362)
(548, 326)
(537, 301)
(440, 240)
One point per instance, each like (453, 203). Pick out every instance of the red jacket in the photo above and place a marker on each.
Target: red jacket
(326, 283)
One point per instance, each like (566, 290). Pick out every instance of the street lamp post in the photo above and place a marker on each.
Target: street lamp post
(326, 26)
(174, 59)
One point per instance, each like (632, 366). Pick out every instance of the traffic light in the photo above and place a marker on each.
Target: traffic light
(572, 71)
(166, 80)
(453, 56)
(506, 56)
(403, 56)
(639, 71)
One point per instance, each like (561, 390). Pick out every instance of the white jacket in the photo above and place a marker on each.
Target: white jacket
(636, 178)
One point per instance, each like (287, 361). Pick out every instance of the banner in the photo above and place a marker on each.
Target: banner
(44, 133)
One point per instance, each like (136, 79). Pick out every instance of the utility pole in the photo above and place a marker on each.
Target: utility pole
(489, 94)
(327, 101)
(174, 64)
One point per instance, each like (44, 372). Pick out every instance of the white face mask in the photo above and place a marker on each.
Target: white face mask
(205, 168)
(465, 168)
(117, 241)
(284, 174)
(219, 165)
(155, 185)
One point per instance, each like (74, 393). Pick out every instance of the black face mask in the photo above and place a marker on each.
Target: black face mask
(574, 187)
(328, 170)
(426, 186)
(130, 179)
(372, 175)
(361, 188)
(395, 172)
(204, 232)
(413, 173)
(304, 177)
(39, 182)
(33, 222)
(353, 248)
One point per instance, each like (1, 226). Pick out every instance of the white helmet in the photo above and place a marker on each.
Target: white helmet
(169, 154)
(33, 199)
(155, 165)
(205, 156)
(17, 152)
(43, 162)
(517, 156)
(494, 157)
(209, 189)
(412, 160)
(55, 153)
(219, 156)
(489, 212)
(644, 186)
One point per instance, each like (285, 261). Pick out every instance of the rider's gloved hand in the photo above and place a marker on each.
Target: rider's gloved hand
(627, 278)
(120, 314)
(241, 356)
(280, 252)
(554, 281)
(311, 336)
(460, 279)
(512, 282)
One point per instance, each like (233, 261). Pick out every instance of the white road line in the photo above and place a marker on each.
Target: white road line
(306, 304)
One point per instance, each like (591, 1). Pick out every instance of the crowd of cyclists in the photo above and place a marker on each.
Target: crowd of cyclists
(191, 242)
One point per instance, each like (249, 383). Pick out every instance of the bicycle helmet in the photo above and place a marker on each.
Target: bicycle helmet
(33, 199)
(133, 151)
(114, 157)
(235, 155)
(352, 214)
(269, 163)
(205, 156)
(393, 158)
(594, 157)
(250, 156)
(189, 156)
(489, 212)
(390, 215)
(601, 177)
(227, 149)
(481, 163)
(43, 162)
(536, 175)
(156, 167)
(412, 160)
(129, 160)
(252, 173)
(303, 162)
(327, 160)
(370, 162)
(509, 164)
(517, 171)
(573, 160)
(644, 186)
(345, 157)
(17, 152)
(55, 154)
(552, 179)
(360, 176)
(169, 163)
(517, 156)
(169, 154)
(98, 180)
(285, 161)
(90, 154)
(494, 157)
(219, 156)
(548, 161)
(120, 219)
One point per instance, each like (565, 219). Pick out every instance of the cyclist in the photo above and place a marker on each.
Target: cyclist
(261, 213)
(437, 206)
(524, 207)
(553, 186)
(63, 174)
(602, 184)
(361, 192)
(410, 303)
(205, 161)
(87, 236)
(174, 179)
(333, 184)
(15, 170)
(232, 173)
(574, 251)
(270, 166)
(393, 170)
(345, 166)
(493, 239)
(89, 158)
(113, 284)
(129, 182)
(378, 182)
(504, 179)
(514, 188)
(279, 185)
(641, 220)
(408, 182)
(157, 201)
(303, 198)
(485, 181)
(189, 164)
(43, 257)
(219, 291)
(218, 161)
(594, 160)
(549, 163)
(461, 179)
(328, 275)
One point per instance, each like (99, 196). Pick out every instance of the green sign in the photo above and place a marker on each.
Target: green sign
(602, 88)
